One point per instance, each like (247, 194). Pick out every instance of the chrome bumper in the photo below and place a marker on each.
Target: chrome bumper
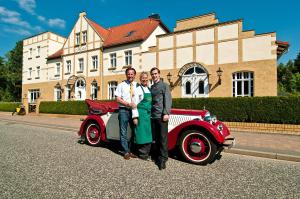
(229, 142)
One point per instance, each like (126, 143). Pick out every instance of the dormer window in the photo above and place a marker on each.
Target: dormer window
(130, 33)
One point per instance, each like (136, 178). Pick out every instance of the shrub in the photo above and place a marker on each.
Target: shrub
(277, 110)
(9, 106)
(247, 109)
(64, 107)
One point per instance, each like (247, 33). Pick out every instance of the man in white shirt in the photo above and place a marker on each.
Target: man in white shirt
(125, 98)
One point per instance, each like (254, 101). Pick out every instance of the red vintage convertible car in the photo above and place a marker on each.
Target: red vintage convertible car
(199, 136)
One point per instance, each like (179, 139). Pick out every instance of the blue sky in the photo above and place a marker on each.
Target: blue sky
(22, 18)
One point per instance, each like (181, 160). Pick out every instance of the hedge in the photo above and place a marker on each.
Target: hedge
(64, 107)
(277, 110)
(9, 106)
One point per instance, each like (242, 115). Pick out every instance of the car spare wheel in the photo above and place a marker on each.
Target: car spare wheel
(196, 147)
(93, 134)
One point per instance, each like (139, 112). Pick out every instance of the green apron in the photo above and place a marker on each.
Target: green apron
(143, 134)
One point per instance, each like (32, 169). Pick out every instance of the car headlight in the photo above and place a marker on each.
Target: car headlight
(213, 119)
(210, 118)
(207, 117)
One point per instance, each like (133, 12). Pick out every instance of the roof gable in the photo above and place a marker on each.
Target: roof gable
(127, 33)
(103, 33)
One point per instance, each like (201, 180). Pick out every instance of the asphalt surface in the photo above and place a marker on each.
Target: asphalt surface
(39, 162)
(274, 145)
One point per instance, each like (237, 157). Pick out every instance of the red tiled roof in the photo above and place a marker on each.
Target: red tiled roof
(101, 31)
(117, 35)
(141, 30)
(282, 47)
(55, 55)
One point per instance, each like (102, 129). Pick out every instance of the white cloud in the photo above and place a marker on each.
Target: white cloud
(57, 23)
(41, 18)
(13, 18)
(8, 13)
(15, 21)
(27, 5)
(18, 31)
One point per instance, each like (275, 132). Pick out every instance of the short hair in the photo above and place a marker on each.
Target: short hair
(143, 73)
(155, 68)
(130, 68)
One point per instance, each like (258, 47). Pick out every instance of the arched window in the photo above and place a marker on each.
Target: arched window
(188, 87)
(201, 87)
(195, 70)
(80, 83)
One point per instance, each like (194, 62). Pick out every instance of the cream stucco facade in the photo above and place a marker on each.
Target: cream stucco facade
(190, 56)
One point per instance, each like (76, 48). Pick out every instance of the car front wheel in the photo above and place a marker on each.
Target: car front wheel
(196, 147)
(93, 134)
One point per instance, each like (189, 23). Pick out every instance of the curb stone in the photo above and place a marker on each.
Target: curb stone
(277, 156)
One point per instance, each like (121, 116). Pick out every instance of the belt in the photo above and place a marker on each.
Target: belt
(125, 108)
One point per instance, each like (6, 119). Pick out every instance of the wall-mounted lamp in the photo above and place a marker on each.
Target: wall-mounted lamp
(219, 73)
(58, 86)
(169, 76)
(94, 82)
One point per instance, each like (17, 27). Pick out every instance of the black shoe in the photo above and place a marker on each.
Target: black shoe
(162, 165)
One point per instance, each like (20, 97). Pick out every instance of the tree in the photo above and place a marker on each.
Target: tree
(11, 74)
(288, 77)
(297, 63)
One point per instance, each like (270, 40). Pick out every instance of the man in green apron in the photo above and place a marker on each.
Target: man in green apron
(142, 117)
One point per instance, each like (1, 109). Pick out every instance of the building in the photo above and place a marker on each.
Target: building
(200, 58)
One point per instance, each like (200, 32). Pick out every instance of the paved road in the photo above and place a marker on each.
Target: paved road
(39, 162)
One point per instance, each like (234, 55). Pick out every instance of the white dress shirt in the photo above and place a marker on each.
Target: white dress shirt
(138, 97)
(123, 91)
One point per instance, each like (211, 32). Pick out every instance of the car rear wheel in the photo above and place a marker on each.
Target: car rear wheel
(196, 147)
(93, 134)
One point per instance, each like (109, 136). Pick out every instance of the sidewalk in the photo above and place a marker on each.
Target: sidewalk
(275, 146)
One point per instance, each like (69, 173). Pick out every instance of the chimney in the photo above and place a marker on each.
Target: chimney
(154, 16)
(82, 14)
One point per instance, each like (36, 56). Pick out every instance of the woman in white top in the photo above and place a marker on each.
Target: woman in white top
(142, 117)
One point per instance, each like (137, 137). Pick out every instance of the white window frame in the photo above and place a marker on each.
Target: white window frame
(113, 60)
(84, 37)
(94, 91)
(112, 86)
(69, 66)
(67, 92)
(80, 64)
(245, 77)
(30, 52)
(95, 62)
(33, 95)
(57, 94)
(57, 69)
(77, 38)
(38, 71)
(128, 58)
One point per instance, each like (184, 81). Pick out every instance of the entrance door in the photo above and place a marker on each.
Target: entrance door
(80, 89)
(195, 82)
